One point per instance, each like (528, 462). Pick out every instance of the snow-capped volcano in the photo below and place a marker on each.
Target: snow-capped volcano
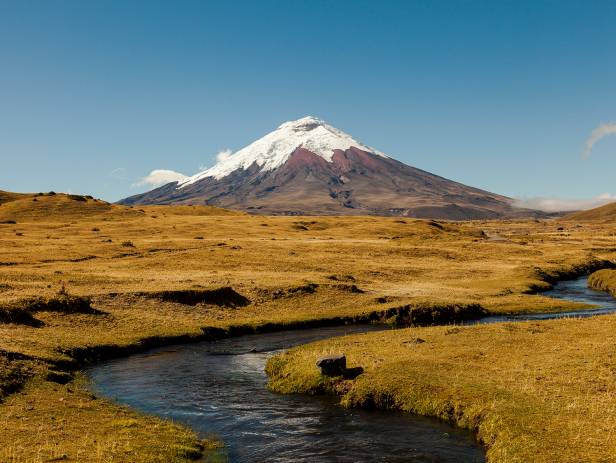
(309, 167)
(274, 149)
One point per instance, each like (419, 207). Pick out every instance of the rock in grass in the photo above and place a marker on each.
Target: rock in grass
(332, 365)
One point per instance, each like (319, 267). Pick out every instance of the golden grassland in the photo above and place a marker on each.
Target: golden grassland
(532, 391)
(81, 279)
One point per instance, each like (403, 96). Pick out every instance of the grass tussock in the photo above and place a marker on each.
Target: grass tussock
(541, 392)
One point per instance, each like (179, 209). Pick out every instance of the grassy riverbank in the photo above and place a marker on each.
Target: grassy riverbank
(81, 279)
(76, 426)
(540, 392)
(603, 280)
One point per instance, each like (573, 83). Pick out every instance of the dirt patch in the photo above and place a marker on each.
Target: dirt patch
(341, 277)
(224, 297)
(350, 288)
(19, 316)
(21, 311)
(308, 288)
(67, 304)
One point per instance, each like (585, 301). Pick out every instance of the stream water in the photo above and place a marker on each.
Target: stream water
(573, 290)
(219, 389)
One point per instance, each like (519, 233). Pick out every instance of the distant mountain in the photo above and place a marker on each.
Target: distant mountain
(607, 212)
(308, 167)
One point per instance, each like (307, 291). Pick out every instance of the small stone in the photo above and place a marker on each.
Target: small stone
(332, 365)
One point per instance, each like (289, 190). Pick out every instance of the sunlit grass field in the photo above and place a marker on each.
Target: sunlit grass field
(134, 266)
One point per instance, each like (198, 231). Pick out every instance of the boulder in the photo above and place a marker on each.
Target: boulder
(332, 365)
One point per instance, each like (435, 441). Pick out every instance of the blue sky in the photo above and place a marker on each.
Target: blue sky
(500, 95)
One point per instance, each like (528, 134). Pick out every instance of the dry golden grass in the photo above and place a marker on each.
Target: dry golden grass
(117, 255)
(534, 392)
(7, 196)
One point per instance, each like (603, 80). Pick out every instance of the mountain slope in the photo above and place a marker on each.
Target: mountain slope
(309, 167)
(607, 212)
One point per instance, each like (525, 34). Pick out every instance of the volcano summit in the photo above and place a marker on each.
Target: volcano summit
(308, 167)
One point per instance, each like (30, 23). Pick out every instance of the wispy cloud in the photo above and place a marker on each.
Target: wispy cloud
(160, 177)
(600, 132)
(565, 205)
(223, 155)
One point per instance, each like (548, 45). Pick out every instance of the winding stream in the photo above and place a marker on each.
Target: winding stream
(219, 389)
(573, 290)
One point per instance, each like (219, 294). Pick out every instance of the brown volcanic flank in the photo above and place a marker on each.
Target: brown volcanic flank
(605, 213)
(354, 182)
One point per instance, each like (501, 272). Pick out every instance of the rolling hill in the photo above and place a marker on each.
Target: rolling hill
(606, 212)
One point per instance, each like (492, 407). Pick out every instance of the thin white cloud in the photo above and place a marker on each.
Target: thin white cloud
(565, 205)
(600, 132)
(223, 155)
(119, 173)
(160, 177)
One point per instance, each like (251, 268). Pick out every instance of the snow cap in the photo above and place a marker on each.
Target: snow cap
(275, 148)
